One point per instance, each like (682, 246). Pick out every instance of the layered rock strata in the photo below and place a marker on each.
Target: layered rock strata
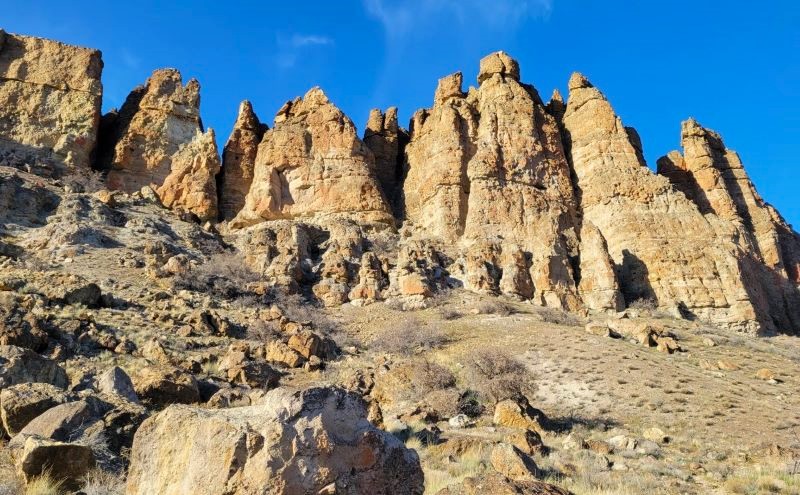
(50, 97)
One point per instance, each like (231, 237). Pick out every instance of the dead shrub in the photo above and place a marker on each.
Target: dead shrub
(263, 331)
(496, 375)
(223, 275)
(409, 336)
(101, 482)
(494, 307)
(644, 304)
(84, 181)
(557, 316)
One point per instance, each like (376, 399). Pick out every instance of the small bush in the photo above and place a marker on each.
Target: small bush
(450, 314)
(644, 304)
(84, 181)
(495, 307)
(409, 336)
(263, 331)
(223, 275)
(558, 316)
(496, 375)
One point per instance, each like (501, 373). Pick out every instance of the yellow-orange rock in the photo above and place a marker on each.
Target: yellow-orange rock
(238, 160)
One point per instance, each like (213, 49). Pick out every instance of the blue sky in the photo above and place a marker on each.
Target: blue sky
(733, 65)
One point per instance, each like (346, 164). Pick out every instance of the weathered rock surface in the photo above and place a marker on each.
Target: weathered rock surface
(239, 160)
(498, 484)
(50, 97)
(662, 245)
(18, 365)
(163, 385)
(191, 183)
(312, 165)
(489, 166)
(64, 462)
(19, 404)
(387, 140)
(315, 441)
(156, 139)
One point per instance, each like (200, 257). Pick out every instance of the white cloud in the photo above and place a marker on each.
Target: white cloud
(400, 17)
(300, 40)
(290, 47)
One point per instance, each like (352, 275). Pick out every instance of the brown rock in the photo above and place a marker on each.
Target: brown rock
(50, 95)
(309, 165)
(64, 462)
(238, 161)
(191, 182)
(512, 463)
(280, 353)
(466, 182)
(663, 246)
(384, 137)
(306, 343)
(164, 385)
(19, 365)
(598, 288)
(765, 374)
(314, 441)
(519, 414)
(19, 404)
(528, 441)
(497, 484)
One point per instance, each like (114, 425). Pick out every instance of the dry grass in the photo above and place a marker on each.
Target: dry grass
(100, 482)
(769, 477)
(224, 275)
(442, 471)
(10, 483)
(495, 307)
(409, 336)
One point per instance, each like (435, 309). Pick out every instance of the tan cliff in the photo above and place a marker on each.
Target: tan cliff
(490, 190)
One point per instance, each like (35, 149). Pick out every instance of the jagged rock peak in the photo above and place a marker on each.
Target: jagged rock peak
(238, 160)
(498, 63)
(577, 81)
(449, 87)
(556, 97)
(247, 119)
(309, 165)
(164, 90)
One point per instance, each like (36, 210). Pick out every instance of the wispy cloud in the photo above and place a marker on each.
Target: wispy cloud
(403, 16)
(290, 47)
(300, 40)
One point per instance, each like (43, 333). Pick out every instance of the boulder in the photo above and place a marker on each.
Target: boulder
(114, 381)
(18, 365)
(313, 441)
(19, 404)
(163, 385)
(63, 462)
(23, 330)
(519, 414)
(512, 463)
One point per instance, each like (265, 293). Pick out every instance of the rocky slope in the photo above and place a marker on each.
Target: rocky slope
(139, 269)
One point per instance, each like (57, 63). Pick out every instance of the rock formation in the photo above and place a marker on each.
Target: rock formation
(489, 165)
(156, 138)
(386, 139)
(315, 441)
(714, 178)
(312, 165)
(663, 246)
(238, 161)
(50, 96)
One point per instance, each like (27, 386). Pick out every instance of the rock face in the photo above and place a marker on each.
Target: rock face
(239, 160)
(489, 166)
(315, 441)
(50, 97)
(387, 140)
(157, 139)
(714, 178)
(312, 165)
(663, 247)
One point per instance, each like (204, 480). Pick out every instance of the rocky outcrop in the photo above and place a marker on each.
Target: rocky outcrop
(238, 161)
(663, 247)
(387, 140)
(489, 165)
(50, 97)
(191, 183)
(156, 139)
(714, 178)
(315, 441)
(312, 166)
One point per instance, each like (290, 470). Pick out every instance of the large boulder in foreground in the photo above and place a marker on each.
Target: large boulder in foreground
(307, 442)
